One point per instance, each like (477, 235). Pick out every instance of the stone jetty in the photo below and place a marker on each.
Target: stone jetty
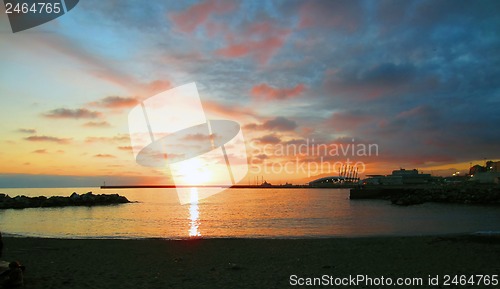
(88, 199)
(407, 195)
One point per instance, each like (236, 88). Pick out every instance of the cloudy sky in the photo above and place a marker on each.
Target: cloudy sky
(418, 79)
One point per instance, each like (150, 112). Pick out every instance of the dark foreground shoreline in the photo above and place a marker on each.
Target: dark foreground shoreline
(246, 263)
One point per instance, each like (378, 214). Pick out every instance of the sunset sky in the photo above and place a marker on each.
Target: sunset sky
(420, 79)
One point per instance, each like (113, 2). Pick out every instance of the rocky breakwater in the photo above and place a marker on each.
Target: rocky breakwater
(456, 194)
(88, 199)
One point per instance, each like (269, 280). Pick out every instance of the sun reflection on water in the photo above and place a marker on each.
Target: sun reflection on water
(194, 214)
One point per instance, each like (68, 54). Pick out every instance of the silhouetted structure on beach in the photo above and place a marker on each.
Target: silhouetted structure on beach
(487, 174)
(400, 177)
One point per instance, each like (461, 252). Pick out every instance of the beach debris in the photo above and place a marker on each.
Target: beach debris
(234, 266)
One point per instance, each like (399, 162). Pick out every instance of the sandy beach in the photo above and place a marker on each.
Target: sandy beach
(245, 263)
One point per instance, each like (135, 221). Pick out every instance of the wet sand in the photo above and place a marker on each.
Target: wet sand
(245, 263)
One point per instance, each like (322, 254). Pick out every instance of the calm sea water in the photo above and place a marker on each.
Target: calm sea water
(247, 213)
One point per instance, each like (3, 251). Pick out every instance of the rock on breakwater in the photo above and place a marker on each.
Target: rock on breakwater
(88, 199)
(405, 196)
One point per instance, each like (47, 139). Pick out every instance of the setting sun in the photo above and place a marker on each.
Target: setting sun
(192, 172)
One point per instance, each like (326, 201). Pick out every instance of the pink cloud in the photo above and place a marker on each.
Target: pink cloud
(125, 148)
(145, 89)
(104, 156)
(267, 92)
(72, 113)
(231, 111)
(115, 102)
(214, 28)
(97, 124)
(269, 139)
(44, 138)
(198, 137)
(188, 20)
(277, 124)
(115, 139)
(260, 40)
(156, 86)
